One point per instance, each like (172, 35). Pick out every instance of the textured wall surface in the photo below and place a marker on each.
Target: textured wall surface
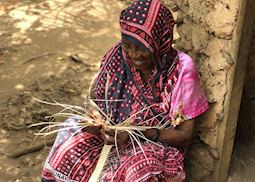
(206, 31)
(211, 32)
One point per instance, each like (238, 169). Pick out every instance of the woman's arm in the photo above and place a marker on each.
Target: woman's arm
(180, 136)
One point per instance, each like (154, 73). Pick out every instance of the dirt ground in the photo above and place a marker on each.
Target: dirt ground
(242, 167)
(38, 41)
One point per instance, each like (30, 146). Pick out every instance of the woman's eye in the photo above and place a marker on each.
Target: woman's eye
(125, 45)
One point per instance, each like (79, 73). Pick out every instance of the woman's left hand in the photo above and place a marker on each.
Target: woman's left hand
(151, 133)
(109, 136)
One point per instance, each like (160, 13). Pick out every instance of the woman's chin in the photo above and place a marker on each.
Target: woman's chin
(139, 64)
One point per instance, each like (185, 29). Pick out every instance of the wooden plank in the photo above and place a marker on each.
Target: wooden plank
(226, 133)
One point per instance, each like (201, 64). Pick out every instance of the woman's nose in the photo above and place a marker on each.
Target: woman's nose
(134, 54)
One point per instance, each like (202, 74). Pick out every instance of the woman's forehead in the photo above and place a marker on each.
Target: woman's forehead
(129, 42)
(136, 45)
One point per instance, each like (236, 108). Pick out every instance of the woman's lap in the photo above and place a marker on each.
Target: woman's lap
(153, 162)
(74, 159)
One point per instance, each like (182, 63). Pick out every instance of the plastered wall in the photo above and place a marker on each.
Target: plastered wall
(206, 29)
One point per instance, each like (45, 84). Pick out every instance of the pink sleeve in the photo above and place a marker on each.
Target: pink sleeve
(188, 97)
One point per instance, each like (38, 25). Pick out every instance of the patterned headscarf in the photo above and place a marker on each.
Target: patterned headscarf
(150, 23)
(147, 23)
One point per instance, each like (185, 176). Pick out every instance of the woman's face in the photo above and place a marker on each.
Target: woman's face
(140, 57)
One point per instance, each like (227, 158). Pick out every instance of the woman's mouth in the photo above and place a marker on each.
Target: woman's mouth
(138, 62)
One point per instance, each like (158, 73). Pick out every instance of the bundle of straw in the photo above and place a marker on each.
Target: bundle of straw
(88, 118)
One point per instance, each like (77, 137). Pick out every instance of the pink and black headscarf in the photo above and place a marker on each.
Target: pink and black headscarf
(149, 24)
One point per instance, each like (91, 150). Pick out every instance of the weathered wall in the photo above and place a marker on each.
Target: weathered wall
(217, 34)
(206, 29)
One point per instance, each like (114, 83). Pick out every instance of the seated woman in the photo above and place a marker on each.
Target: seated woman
(141, 70)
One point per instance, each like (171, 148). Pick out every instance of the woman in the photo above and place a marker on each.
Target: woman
(141, 70)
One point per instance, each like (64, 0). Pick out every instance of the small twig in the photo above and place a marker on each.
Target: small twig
(76, 58)
(37, 57)
(12, 126)
(31, 149)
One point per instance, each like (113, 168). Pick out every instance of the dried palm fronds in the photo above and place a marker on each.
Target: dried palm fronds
(88, 117)
(100, 164)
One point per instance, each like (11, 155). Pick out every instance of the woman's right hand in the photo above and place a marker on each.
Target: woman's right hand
(109, 136)
(151, 134)
(95, 130)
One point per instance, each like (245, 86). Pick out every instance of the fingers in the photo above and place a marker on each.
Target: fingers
(98, 126)
(96, 114)
(108, 139)
(109, 131)
(93, 129)
(109, 136)
(123, 137)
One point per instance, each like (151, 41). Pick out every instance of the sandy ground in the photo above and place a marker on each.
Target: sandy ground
(37, 40)
(242, 167)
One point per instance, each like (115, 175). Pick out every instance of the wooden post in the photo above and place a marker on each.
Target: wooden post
(240, 47)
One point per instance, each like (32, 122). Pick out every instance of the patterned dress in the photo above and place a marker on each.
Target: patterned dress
(173, 90)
